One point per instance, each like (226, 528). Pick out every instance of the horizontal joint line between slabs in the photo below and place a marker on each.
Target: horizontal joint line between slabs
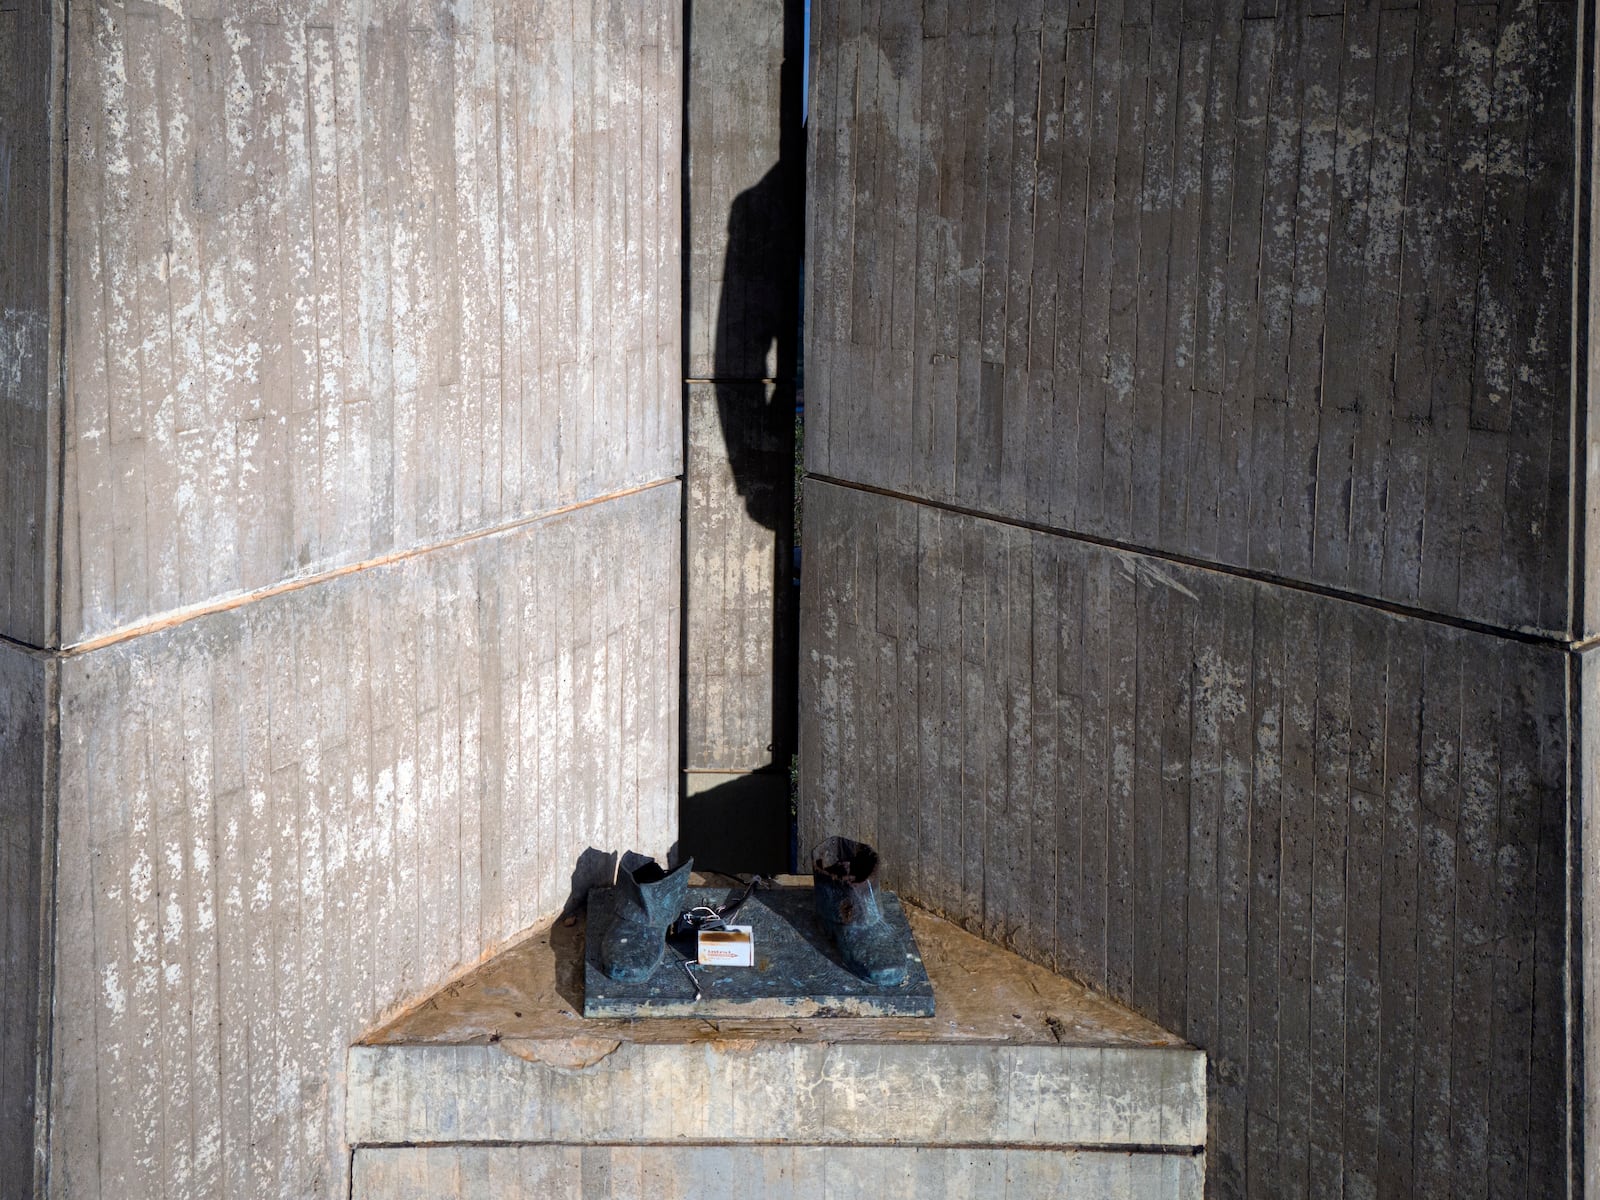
(1529, 636)
(1182, 1149)
(42, 653)
(170, 620)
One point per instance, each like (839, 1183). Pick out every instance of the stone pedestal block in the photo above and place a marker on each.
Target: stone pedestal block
(1021, 1076)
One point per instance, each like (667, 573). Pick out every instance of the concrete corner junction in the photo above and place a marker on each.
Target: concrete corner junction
(395, 471)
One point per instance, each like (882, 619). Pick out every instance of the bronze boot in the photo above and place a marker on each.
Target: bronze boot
(648, 899)
(845, 894)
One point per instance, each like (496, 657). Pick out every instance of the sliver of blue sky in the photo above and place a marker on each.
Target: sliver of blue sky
(805, 68)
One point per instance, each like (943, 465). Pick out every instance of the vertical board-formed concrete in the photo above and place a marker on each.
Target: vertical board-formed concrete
(28, 174)
(774, 1172)
(25, 727)
(1325, 843)
(1585, 681)
(1285, 288)
(739, 545)
(743, 209)
(1283, 285)
(280, 822)
(741, 310)
(349, 279)
(369, 586)
(808, 1091)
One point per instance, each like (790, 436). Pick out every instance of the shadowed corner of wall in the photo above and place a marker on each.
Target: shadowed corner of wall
(736, 813)
(756, 346)
(737, 824)
(594, 868)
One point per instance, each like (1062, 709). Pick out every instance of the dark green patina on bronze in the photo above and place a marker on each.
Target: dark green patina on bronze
(798, 971)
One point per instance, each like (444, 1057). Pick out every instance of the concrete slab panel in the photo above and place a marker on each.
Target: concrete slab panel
(30, 177)
(743, 196)
(1256, 286)
(26, 860)
(744, 189)
(280, 821)
(774, 1172)
(742, 620)
(350, 281)
(737, 822)
(1324, 841)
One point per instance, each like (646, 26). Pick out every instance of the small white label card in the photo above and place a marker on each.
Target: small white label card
(734, 946)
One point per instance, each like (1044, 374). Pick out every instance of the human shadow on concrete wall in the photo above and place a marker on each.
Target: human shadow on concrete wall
(745, 824)
(756, 351)
(756, 356)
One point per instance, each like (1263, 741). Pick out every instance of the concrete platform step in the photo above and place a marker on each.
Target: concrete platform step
(1023, 1084)
(768, 1173)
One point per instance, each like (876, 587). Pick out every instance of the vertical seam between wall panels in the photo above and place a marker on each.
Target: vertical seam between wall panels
(54, 541)
(685, 323)
(1577, 619)
(1573, 981)
(56, 380)
(1576, 1117)
(44, 1018)
(1581, 307)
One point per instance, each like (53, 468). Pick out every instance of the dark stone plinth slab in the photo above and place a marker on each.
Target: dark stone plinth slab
(797, 973)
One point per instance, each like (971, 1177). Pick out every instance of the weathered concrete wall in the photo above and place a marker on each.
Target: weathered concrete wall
(28, 72)
(810, 1092)
(370, 575)
(774, 1172)
(740, 695)
(281, 821)
(1278, 299)
(25, 731)
(349, 279)
(743, 216)
(741, 311)
(1326, 843)
(1586, 788)
(1284, 286)
(29, 175)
